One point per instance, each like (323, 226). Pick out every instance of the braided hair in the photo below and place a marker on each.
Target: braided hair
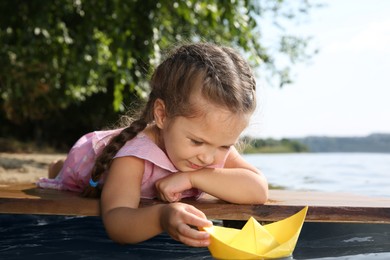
(227, 81)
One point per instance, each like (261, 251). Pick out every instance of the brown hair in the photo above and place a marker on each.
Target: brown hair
(227, 81)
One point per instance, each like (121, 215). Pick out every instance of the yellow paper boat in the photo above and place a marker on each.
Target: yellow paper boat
(255, 241)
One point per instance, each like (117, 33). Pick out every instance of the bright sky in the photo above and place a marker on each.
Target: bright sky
(345, 90)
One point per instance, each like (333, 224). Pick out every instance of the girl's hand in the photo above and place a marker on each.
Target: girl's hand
(177, 219)
(171, 187)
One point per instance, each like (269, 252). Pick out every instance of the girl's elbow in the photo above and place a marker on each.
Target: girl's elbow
(262, 197)
(261, 193)
(260, 188)
(256, 199)
(122, 240)
(119, 236)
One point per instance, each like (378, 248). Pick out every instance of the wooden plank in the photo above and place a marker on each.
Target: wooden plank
(323, 206)
(28, 199)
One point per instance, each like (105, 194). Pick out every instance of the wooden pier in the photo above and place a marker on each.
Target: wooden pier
(323, 206)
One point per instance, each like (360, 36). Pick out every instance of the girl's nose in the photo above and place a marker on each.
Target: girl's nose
(206, 158)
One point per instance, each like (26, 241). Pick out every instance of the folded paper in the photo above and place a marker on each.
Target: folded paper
(254, 241)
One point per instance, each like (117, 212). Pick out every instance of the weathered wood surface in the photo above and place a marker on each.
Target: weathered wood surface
(323, 206)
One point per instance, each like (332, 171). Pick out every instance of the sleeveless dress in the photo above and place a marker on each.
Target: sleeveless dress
(75, 173)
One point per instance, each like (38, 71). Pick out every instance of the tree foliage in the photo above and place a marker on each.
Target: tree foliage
(56, 56)
(271, 145)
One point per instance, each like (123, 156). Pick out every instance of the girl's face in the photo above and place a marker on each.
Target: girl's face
(193, 143)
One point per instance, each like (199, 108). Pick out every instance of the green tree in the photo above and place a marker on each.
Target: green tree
(270, 145)
(58, 55)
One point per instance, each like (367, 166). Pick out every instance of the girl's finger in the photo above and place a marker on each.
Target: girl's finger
(197, 218)
(196, 211)
(192, 236)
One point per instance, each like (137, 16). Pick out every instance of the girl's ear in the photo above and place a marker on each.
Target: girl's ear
(159, 113)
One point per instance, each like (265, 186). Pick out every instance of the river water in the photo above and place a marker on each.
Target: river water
(361, 173)
(58, 237)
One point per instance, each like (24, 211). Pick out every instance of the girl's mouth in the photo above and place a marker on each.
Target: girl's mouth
(195, 166)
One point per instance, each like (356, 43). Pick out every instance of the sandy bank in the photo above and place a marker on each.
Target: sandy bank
(25, 167)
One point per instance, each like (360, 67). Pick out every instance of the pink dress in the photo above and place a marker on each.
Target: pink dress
(75, 174)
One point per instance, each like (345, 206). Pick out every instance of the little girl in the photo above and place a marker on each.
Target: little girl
(201, 99)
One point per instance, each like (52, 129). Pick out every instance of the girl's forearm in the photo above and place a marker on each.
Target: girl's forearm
(128, 225)
(235, 185)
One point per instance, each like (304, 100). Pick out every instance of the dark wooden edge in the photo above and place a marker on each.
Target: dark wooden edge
(52, 202)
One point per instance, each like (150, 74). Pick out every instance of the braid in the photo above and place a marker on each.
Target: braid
(104, 160)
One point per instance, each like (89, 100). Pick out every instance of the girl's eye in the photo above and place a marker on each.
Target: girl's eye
(196, 142)
(226, 147)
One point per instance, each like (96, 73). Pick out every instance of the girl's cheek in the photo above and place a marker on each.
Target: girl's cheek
(221, 157)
